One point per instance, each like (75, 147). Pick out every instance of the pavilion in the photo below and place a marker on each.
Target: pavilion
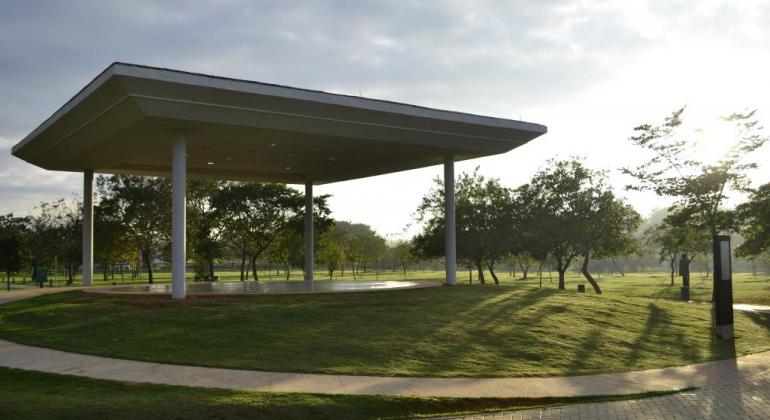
(134, 119)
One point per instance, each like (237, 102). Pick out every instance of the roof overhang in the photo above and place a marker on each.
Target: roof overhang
(125, 120)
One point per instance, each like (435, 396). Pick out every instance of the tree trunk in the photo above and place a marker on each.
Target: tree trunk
(210, 264)
(470, 272)
(480, 270)
(587, 275)
(8, 280)
(491, 266)
(561, 277)
(288, 271)
(254, 267)
(672, 269)
(540, 273)
(243, 265)
(146, 259)
(561, 268)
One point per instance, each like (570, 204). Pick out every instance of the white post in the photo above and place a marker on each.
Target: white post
(88, 227)
(449, 210)
(178, 217)
(309, 245)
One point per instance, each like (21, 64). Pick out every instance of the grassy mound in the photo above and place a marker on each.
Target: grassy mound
(446, 332)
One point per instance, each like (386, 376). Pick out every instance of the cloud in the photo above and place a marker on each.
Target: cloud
(590, 70)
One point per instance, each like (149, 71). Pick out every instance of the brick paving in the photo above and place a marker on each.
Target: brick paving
(747, 398)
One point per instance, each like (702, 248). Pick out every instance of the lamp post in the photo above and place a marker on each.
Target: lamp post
(723, 288)
(684, 271)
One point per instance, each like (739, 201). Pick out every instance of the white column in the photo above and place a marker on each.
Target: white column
(88, 227)
(178, 217)
(309, 245)
(449, 211)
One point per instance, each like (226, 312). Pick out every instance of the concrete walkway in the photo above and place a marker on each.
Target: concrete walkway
(673, 378)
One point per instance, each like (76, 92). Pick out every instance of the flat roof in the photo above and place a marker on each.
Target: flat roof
(124, 121)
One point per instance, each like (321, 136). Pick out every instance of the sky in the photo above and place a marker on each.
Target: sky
(589, 70)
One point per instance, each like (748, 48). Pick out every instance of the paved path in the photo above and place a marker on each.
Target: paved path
(673, 378)
(746, 399)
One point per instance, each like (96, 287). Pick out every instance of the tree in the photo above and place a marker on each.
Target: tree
(331, 252)
(675, 238)
(57, 235)
(569, 212)
(556, 195)
(254, 214)
(14, 251)
(403, 255)
(754, 216)
(483, 225)
(700, 189)
(112, 243)
(607, 227)
(203, 226)
(529, 242)
(143, 206)
(363, 246)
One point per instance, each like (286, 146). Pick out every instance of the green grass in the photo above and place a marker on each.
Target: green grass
(28, 395)
(442, 332)
(746, 287)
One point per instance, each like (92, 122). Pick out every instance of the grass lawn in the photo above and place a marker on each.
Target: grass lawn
(28, 395)
(442, 332)
(746, 287)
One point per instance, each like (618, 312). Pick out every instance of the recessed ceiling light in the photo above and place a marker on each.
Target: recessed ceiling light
(332, 158)
(209, 163)
(288, 168)
(272, 144)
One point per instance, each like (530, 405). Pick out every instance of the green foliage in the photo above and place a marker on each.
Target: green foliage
(483, 212)
(143, 206)
(56, 235)
(204, 226)
(331, 251)
(113, 243)
(676, 238)
(402, 254)
(754, 216)
(253, 215)
(700, 189)
(571, 212)
(14, 251)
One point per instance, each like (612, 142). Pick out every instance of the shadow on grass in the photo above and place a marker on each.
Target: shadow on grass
(657, 320)
(588, 349)
(494, 310)
(760, 318)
